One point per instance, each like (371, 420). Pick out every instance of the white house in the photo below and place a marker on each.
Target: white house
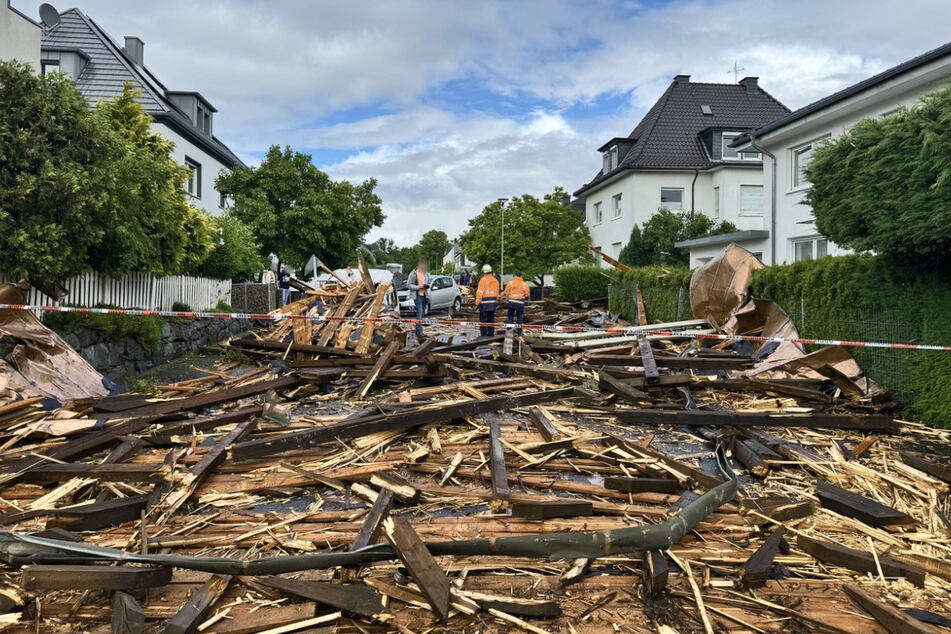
(100, 67)
(457, 257)
(19, 37)
(679, 157)
(787, 144)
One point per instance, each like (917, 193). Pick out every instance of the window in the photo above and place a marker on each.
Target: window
(810, 248)
(617, 205)
(800, 160)
(440, 283)
(613, 153)
(193, 185)
(672, 198)
(609, 160)
(705, 109)
(49, 66)
(729, 154)
(222, 200)
(751, 200)
(598, 215)
(716, 202)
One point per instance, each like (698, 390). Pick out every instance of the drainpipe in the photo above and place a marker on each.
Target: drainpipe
(693, 185)
(772, 201)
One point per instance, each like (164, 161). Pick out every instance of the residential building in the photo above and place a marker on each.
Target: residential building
(19, 37)
(788, 143)
(680, 157)
(101, 67)
(457, 257)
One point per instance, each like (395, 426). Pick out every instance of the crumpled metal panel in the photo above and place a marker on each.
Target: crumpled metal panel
(721, 285)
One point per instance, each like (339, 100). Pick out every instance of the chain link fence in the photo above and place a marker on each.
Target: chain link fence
(886, 367)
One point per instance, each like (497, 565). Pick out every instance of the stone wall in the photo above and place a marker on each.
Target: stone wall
(119, 359)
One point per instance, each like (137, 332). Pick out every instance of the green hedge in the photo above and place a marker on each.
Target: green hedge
(664, 289)
(575, 283)
(865, 297)
(146, 330)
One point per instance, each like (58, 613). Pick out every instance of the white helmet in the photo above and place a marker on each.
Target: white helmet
(486, 268)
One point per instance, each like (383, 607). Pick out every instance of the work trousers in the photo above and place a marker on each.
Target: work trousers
(285, 296)
(516, 311)
(420, 313)
(486, 316)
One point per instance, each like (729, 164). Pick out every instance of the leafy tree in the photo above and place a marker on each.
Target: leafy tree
(433, 247)
(295, 210)
(157, 230)
(654, 244)
(885, 185)
(236, 255)
(539, 235)
(83, 189)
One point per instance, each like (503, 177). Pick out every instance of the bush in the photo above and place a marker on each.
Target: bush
(575, 283)
(146, 330)
(661, 286)
(181, 307)
(865, 297)
(654, 243)
(236, 255)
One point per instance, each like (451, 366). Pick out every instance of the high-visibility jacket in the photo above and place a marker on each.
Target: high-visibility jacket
(488, 289)
(517, 290)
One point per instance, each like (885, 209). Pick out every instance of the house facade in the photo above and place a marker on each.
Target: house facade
(787, 144)
(19, 37)
(78, 47)
(680, 157)
(457, 257)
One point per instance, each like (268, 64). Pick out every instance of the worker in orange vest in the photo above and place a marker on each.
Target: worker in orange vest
(516, 292)
(487, 295)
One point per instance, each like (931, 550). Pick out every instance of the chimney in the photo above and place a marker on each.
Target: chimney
(682, 79)
(135, 48)
(750, 83)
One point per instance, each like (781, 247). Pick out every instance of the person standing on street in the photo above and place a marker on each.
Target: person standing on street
(516, 292)
(284, 283)
(486, 297)
(418, 285)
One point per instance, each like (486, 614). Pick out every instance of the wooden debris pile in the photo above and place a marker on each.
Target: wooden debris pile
(544, 483)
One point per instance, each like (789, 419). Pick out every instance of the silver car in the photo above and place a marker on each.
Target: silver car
(443, 293)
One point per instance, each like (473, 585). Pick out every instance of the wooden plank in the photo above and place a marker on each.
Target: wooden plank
(651, 374)
(202, 423)
(756, 569)
(721, 418)
(922, 463)
(127, 615)
(860, 561)
(381, 364)
(749, 458)
(412, 417)
(679, 363)
(643, 485)
(641, 310)
(355, 598)
(608, 383)
(199, 604)
(890, 617)
(623, 268)
(859, 507)
(398, 485)
(374, 520)
(508, 343)
(122, 472)
(859, 450)
(339, 311)
(546, 510)
(500, 484)
(367, 328)
(125, 578)
(655, 571)
(543, 423)
(411, 550)
(91, 517)
(514, 605)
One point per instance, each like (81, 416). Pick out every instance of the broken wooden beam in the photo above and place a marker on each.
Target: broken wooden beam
(90, 517)
(355, 598)
(382, 363)
(609, 383)
(127, 615)
(858, 560)
(922, 463)
(543, 510)
(859, 507)
(721, 418)
(42, 578)
(655, 571)
(643, 485)
(756, 569)
(432, 581)
(890, 617)
(374, 520)
(196, 608)
(121, 472)
(679, 363)
(543, 423)
(500, 484)
(651, 373)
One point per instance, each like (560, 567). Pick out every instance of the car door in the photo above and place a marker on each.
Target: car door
(439, 293)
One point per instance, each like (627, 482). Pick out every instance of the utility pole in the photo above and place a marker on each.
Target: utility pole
(502, 202)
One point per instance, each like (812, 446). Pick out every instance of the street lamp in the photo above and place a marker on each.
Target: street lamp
(502, 202)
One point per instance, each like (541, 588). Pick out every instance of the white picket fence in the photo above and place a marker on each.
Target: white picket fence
(139, 290)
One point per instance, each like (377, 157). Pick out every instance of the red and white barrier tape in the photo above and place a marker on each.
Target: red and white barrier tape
(637, 330)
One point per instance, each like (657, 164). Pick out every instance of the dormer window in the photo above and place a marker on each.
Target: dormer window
(203, 119)
(609, 160)
(731, 154)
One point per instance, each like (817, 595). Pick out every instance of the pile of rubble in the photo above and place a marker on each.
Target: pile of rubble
(549, 482)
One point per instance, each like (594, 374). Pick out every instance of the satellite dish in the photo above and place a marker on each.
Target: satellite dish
(49, 16)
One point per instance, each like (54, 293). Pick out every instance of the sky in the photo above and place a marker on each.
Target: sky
(452, 105)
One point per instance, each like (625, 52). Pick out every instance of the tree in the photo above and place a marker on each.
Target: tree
(654, 244)
(539, 235)
(433, 247)
(885, 185)
(156, 230)
(236, 255)
(295, 210)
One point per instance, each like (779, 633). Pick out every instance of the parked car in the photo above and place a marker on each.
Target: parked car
(443, 293)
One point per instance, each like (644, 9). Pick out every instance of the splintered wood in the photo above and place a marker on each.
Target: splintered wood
(344, 440)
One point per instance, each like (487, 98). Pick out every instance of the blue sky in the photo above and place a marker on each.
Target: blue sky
(451, 105)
